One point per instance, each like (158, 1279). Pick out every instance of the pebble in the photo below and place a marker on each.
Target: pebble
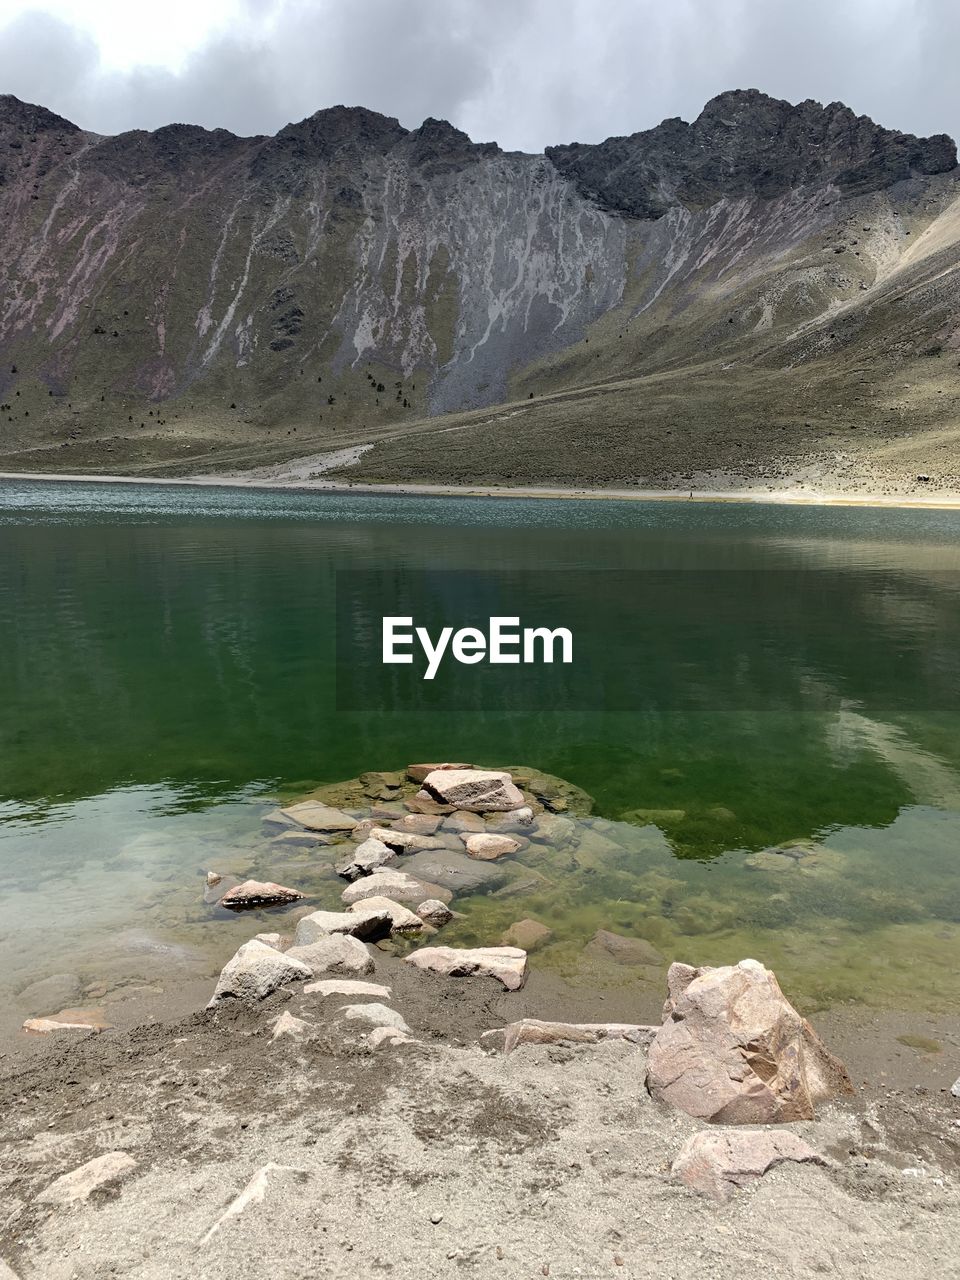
(436, 1218)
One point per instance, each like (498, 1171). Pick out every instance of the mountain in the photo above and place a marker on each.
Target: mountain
(766, 283)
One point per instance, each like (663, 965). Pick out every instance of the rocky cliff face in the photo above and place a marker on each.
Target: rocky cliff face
(187, 289)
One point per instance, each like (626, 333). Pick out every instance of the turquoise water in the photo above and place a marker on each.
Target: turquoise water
(746, 675)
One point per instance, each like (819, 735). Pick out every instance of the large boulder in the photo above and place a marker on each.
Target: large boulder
(476, 790)
(455, 871)
(715, 1162)
(507, 964)
(733, 1050)
(255, 972)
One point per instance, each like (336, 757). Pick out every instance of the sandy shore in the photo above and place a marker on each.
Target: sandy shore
(790, 496)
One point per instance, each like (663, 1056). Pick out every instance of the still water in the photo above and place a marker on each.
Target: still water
(744, 676)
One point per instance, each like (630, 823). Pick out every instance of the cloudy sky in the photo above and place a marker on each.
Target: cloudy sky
(523, 72)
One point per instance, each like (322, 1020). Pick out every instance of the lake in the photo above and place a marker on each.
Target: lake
(174, 659)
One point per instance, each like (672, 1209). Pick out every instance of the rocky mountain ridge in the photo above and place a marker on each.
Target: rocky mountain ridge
(177, 297)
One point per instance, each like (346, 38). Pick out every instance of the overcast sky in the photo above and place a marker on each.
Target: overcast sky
(525, 73)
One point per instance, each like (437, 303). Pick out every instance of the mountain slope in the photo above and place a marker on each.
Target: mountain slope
(765, 282)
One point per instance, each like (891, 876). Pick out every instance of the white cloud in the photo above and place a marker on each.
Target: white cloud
(523, 72)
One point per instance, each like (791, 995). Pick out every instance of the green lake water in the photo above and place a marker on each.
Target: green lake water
(744, 676)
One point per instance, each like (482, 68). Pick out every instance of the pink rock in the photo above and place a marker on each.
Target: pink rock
(716, 1162)
(476, 790)
(489, 848)
(733, 1050)
(507, 964)
(258, 893)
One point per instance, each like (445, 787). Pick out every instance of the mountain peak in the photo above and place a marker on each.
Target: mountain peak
(745, 142)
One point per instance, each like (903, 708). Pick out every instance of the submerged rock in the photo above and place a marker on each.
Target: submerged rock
(490, 847)
(622, 950)
(47, 995)
(258, 893)
(733, 1050)
(476, 790)
(455, 871)
(319, 817)
(461, 821)
(255, 972)
(526, 934)
(520, 821)
(420, 824)
(507, 964)
(334, 953)
(78, 1185)
(555, 830)
(286, 1025)
(715, 1163)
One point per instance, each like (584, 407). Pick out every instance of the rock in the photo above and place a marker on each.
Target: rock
(402, 918)
(518, 820)
(77, 1186)
(421, 803)
(335, 953)
(379, 785)
(404, 841)
(526, 934)
(388, 812)
(716, 1162)
(255, 972)
(213, 877)
(66, 1020)
(212, 893)
(378, 1015)
(394, 884)
(365, 859)
(955, 1088)
(346, 987)
(507, 964)
(418, 824)
(254, 1192)
(7, 1273)
(533, 1031)
(621, 950)
(360, 924)
(300, 840)
(287, 1025)
(46, 995)
(277, 819)
(653, 817)
(477, 790)
(387, 1035)
(488, 847)
(435, 912)
(319, 817)
(274, 940)
(420, 772)
(555, 830)
(456, 871)
(733, 1050)
(258, 893)
(461, 821)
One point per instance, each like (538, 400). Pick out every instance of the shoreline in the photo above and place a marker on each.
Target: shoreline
(776, 497)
